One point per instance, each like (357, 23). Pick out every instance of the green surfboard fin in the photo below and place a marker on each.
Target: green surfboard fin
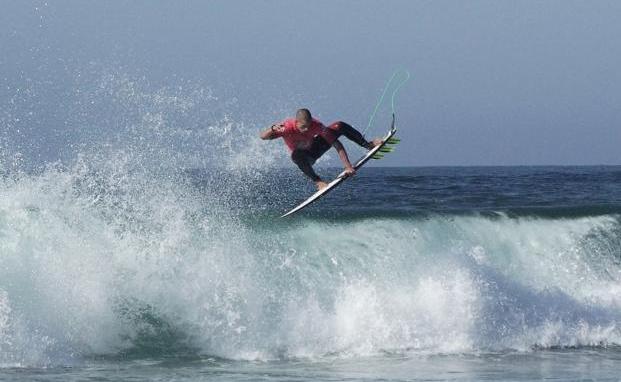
(386, 149)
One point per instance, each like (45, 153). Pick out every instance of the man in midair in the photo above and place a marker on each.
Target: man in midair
(308, 139)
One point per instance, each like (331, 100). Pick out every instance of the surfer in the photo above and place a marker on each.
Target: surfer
(308, 139)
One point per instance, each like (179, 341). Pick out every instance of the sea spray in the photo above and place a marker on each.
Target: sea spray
(127, 250)
(94, 249)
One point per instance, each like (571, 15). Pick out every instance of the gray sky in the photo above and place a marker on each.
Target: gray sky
(493, 82)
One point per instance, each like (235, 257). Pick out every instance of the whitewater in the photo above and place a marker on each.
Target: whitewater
(134, 259)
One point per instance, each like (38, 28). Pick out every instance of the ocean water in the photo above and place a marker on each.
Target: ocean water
(114, 270)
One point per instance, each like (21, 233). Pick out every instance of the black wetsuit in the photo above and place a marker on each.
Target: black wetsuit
(305, 158)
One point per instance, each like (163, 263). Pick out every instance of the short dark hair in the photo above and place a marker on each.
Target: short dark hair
(304, 113)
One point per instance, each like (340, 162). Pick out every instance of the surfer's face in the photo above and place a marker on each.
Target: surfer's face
(302, 124)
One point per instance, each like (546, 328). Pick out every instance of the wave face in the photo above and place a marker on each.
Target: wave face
(121, 263)
(117, 252)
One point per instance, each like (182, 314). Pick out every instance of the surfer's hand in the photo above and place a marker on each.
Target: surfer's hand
(272, 132)
(350, 171)
(277, 128)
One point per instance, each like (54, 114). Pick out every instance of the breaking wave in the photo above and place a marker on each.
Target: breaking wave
(118, 255)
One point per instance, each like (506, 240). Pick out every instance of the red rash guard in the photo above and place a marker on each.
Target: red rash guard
(294, 138)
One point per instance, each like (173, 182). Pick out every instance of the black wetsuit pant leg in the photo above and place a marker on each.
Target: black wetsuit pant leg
(342, 128)
(305, 158)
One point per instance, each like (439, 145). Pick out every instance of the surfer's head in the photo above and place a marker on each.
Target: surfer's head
(303, 119)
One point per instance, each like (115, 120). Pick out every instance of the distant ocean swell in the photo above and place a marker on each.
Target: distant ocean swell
(128, 264)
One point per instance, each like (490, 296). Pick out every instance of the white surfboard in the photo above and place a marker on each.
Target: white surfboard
(374, 153)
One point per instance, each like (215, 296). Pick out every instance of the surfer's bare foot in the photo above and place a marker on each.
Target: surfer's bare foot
(374, 143)
(321, 185)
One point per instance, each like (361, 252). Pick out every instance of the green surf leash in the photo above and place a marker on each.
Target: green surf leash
(392, 140)
(392, 98)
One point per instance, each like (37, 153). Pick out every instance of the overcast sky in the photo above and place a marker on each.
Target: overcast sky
(493, 82)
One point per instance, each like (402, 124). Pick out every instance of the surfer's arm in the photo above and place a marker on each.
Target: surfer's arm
(273, 132)
(344, 158)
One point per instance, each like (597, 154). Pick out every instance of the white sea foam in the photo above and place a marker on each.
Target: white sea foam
(115, 263)
(118, 254)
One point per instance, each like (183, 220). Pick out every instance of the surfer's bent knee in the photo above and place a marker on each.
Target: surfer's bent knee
(304, 161)
(298, 155)
(336, 126)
